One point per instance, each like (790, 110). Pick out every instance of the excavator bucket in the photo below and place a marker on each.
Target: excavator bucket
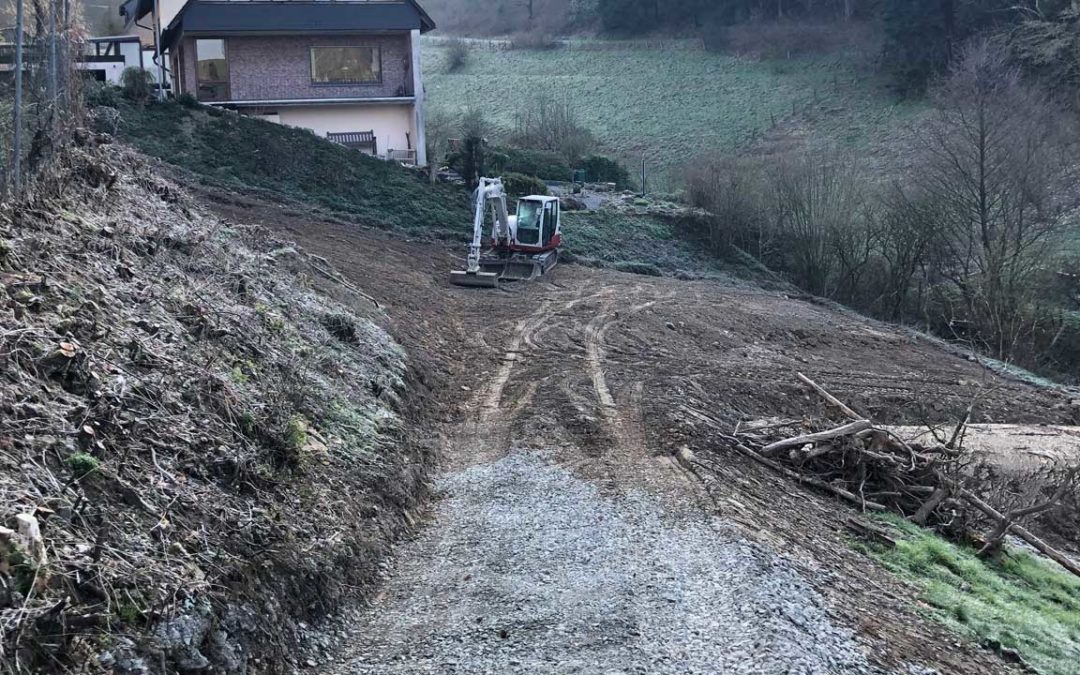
(478, 279)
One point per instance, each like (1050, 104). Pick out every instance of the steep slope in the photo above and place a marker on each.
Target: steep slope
(283, 165)
(204, 423)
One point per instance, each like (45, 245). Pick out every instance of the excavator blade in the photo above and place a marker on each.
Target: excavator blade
(474, 279)
(521, 269)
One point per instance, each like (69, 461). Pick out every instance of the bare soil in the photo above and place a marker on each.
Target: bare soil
(611, 374)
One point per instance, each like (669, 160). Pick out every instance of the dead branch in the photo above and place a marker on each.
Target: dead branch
(797, 441)
(835, 402)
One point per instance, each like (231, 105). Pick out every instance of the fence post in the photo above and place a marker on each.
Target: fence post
(16, 141)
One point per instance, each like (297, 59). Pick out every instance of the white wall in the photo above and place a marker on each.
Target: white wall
(390, 122)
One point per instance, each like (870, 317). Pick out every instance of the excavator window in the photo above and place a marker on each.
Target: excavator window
(529, 216)
(551, 215)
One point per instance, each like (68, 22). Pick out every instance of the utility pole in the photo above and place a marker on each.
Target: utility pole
(16, 143)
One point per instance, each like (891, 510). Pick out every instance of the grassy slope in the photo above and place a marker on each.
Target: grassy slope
(669, 106)
(1021, 603)
(650, 245)
(288, 164)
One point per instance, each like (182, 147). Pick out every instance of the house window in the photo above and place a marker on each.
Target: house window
(346, 65)
(211, 70)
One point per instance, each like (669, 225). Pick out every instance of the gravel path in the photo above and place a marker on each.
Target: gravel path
(529, 569)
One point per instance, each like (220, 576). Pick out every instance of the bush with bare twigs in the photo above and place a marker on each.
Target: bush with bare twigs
(457, 54)
(552, 125)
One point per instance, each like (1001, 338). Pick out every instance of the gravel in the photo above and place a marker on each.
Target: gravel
(529, 569)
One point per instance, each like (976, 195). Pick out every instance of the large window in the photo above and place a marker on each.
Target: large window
(211, 70)
(345, 65)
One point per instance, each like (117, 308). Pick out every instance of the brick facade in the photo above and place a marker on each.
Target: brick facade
(279, 67)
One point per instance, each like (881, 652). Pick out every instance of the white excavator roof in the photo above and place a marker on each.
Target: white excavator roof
(540, 198)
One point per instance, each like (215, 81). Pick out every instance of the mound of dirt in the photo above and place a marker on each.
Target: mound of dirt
(201, 430)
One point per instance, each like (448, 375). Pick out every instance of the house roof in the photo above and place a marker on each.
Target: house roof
(224, 17)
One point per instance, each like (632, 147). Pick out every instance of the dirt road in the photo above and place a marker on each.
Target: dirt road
(567, 539)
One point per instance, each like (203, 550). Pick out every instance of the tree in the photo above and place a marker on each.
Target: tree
(918, 40)
(997, 159)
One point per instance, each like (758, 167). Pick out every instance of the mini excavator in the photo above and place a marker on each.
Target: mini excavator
(523, 246)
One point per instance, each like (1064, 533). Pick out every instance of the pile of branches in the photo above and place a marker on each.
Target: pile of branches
(933, 484)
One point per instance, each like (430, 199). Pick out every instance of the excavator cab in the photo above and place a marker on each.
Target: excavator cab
(537, 222)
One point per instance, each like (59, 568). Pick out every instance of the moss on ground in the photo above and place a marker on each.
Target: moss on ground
(1019, 602)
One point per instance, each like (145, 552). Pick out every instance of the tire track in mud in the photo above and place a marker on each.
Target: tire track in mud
(626, 423)
(485, 434)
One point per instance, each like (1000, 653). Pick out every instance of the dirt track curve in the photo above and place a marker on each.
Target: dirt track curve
(568, 540)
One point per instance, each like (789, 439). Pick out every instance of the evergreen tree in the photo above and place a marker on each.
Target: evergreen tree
(918, 40)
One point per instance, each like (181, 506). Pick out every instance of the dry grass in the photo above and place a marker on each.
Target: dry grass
(203, 446)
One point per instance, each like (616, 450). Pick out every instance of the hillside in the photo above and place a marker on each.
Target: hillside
(284, 165)
(674, 104)
(203, 429)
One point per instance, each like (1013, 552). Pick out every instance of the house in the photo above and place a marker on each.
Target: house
(349, 70)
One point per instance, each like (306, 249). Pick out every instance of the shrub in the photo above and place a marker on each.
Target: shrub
(552, 126)
(457, 54)
(599, 169)
(520, 185)
(101, 94)
(137, 84)
(539, 163)
(341, 326)
(188, 100)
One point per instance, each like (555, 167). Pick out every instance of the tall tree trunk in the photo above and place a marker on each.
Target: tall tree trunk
(948, 15)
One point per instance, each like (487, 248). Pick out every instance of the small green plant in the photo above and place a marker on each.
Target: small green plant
(82, 464)
(271, 320)
(249, 425)
(237, 375)
(295, 435)
(129, 612)
(137, 84)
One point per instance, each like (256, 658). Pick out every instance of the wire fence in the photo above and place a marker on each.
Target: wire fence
(39, 92)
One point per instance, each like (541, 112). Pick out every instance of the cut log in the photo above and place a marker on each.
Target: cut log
(871, 532)
(829, 397)
(846, 430)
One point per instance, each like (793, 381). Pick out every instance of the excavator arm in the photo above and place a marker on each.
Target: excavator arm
(489, 192)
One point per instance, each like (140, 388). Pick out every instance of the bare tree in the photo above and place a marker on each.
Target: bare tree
(552, 125)
(818, 213)
(996, 160)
